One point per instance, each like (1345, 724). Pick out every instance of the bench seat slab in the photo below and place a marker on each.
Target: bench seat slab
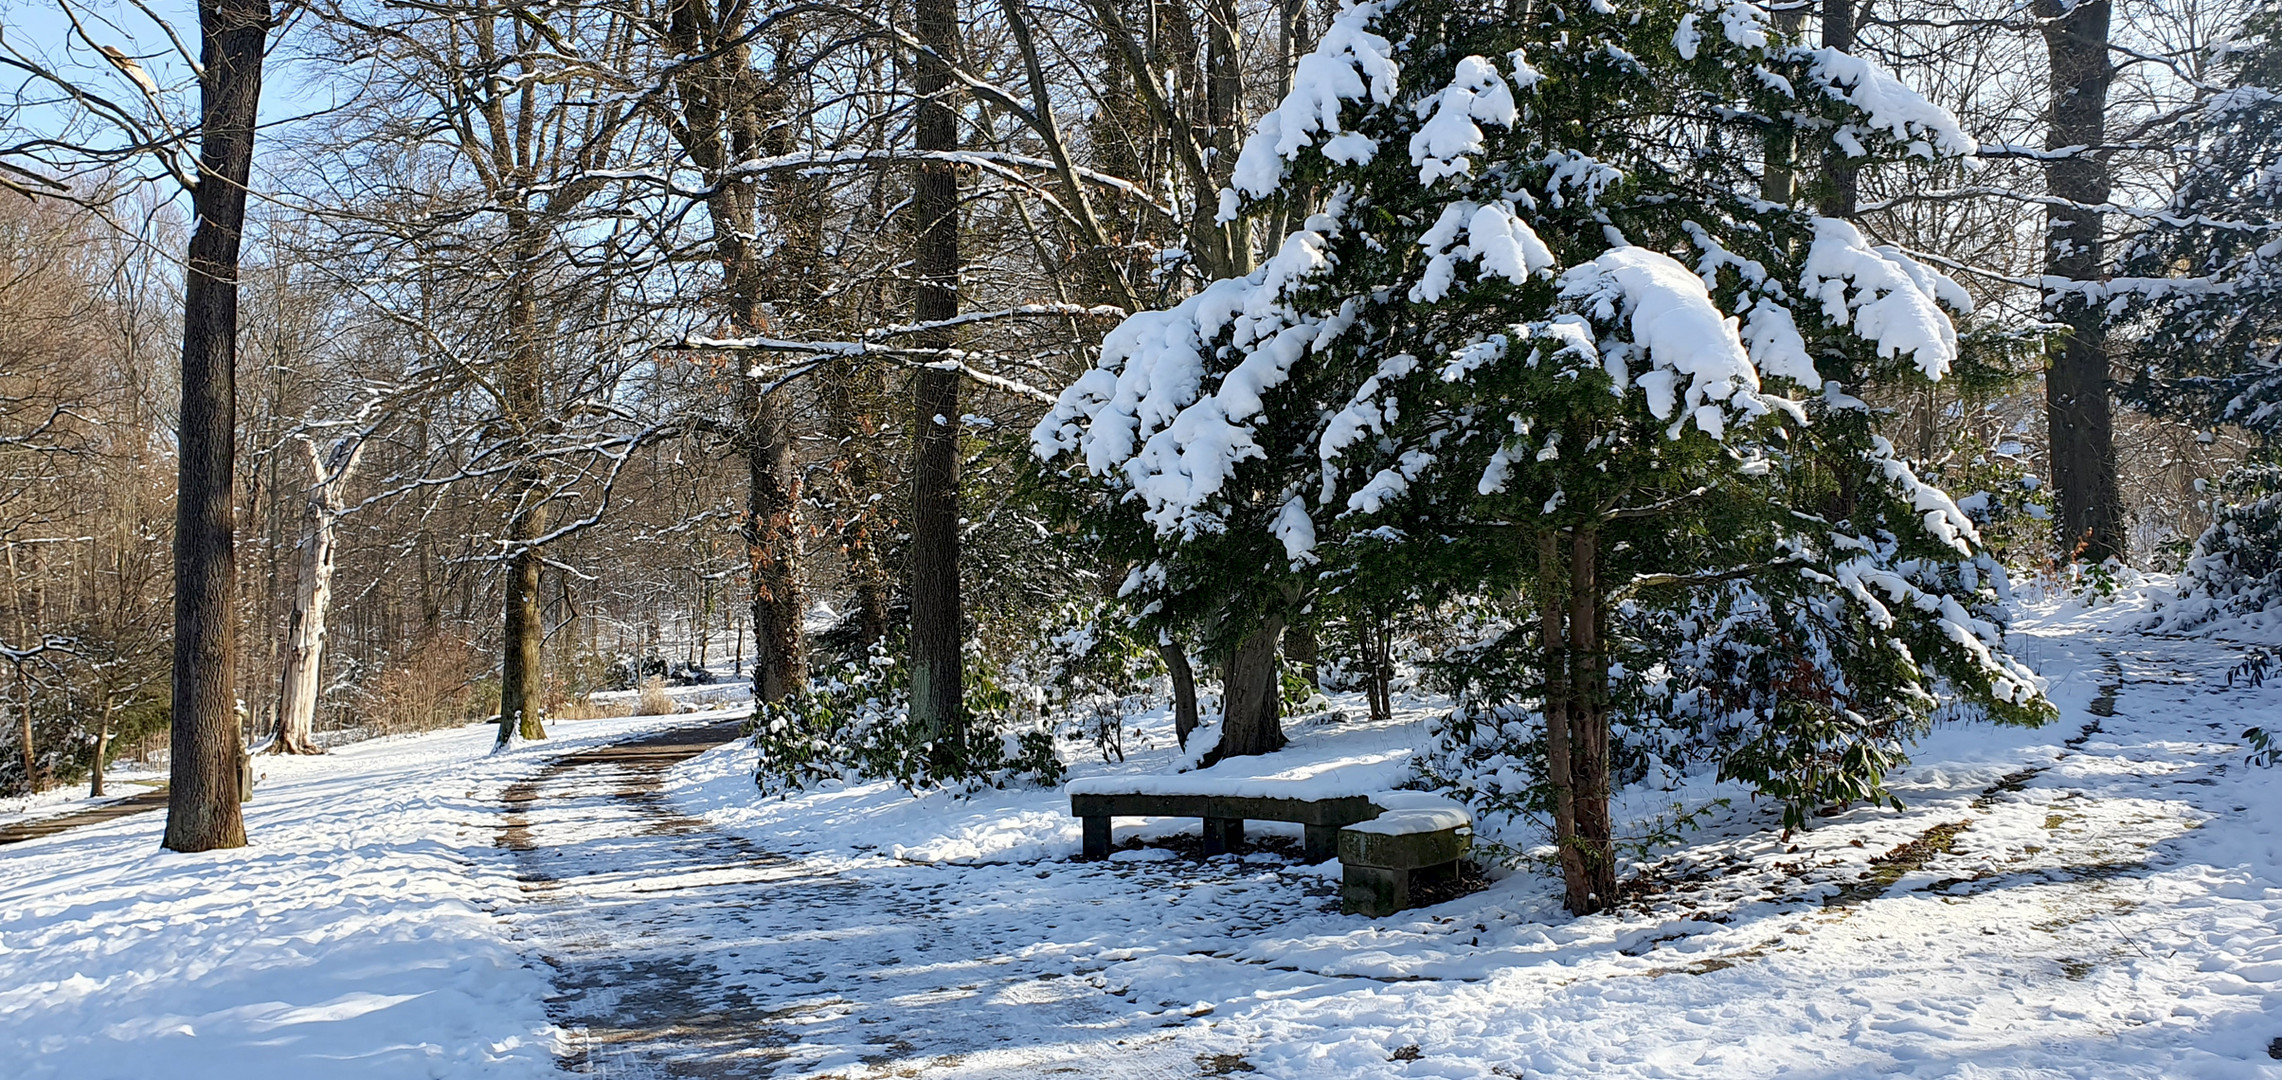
(1343, 810)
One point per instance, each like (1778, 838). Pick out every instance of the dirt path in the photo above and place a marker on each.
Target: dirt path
(110, 811)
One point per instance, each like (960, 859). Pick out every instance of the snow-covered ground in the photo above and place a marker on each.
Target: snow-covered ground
(2100, 897)
(360, 934)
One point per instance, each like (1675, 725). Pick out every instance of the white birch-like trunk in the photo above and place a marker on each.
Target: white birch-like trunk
(305, 634)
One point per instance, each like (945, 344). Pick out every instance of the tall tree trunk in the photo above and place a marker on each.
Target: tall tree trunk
(1778, 174)
(773, 548)
(850, 427)
(2080, 427)
(728, 115)
(521, 694)
(1251, 701)
(24, 718)
(23, 689)
(1184, 688)
(937, 668)
(522, 404)
(1575, 660)
(1301, 648)
(102, 751)
(312, 599)
(202, 808)
(1589, 727)
(1838, 19)
(1230, 242)
(1560, 770)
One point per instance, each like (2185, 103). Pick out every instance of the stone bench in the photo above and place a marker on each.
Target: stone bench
(1383, 842)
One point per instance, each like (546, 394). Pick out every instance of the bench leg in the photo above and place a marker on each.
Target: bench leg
(1322, 843)
(1373, 890)
(1222, 835)
(1097, 838)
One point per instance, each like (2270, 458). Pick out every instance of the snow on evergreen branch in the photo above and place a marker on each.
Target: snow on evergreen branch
(1684, 335)
(1888, 105)
(1884, 296)
(1349, 63)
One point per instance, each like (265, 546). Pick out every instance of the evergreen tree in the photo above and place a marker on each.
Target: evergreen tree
(1544, 336)
(2202, 300)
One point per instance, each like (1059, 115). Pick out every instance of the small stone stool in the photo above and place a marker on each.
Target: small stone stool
(1380, 858)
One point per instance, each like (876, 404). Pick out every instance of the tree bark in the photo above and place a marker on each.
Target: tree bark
(1589, 728)
(1778, 174)
(773, 548)
(729, 115)
(1301, 648)
(24, 717)
(1378, 665)
(937, 666)
(520, 692)
(102, 751)
(313, 599)
(1845, 176)
(1184, 688)
(1251, 702)
(1231, 242)
(522, 407)
(23, 688)
(851, 427)
(2080, 426)
(1553, 647)
(1569, 599)
(202, 808)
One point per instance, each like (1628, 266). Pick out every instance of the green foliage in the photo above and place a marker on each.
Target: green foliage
(1541, 296)
(2265, 750)
(1098, 668)
(2257, 664)
(2198, 302)
(855, 724)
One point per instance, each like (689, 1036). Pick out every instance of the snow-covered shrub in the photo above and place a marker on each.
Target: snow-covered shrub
(2236, 567)
(854, 723)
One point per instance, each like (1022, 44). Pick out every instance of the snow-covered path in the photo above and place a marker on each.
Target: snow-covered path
(2102, 897)
(682, 950)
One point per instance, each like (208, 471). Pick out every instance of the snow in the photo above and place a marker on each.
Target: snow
(1684, 335)
(1145, 412)
(1503, 244)
(1349, 63)
(122, 780)
(1424, 819)
(1314, 781)
(357, 936)
(2101, 896)
(1888, 104)
(1886, 297)
(2116, 905)
(1476, 95)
